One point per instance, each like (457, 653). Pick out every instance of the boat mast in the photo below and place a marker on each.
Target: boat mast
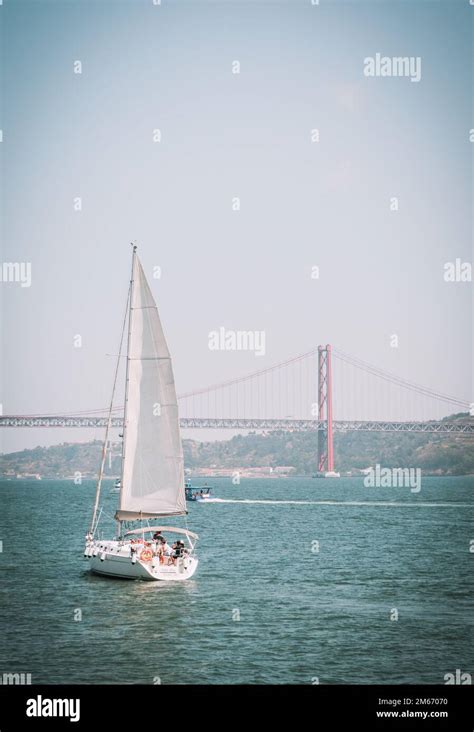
(109, 420)
(134, 252)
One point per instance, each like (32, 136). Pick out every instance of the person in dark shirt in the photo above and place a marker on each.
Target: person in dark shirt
(178, 550)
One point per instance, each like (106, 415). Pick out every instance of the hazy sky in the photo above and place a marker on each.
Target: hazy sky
(225, 135)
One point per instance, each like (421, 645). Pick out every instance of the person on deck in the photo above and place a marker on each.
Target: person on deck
(178, 551)
(163, 549)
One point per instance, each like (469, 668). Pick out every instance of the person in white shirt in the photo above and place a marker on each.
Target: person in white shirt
(163, 549)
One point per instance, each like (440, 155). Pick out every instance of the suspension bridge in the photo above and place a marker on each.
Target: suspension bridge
(324, 390)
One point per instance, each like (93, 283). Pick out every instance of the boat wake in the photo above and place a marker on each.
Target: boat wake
(395, 504)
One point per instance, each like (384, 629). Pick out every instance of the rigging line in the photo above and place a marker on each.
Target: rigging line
(107, 515)
(127, 368)
(98, 518)
(109, 420)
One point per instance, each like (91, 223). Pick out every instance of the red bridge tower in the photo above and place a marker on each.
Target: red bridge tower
(325, 436)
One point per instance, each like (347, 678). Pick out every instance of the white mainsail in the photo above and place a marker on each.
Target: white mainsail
(152, 471)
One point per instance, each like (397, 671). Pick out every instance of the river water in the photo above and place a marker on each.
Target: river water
(299, 581)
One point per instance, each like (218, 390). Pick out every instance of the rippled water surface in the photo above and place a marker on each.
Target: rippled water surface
(306, 610)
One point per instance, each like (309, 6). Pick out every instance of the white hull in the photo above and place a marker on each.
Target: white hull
(116, 559)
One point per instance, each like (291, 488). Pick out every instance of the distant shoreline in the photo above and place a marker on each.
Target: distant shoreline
(227, 477)
(262, 456)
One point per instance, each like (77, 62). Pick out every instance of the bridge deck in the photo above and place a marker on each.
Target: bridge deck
(464, 427)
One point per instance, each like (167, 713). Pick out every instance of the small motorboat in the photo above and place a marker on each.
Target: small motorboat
(197, 494)
(116, 486)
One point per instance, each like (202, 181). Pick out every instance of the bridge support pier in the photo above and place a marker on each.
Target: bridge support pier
(325, 436)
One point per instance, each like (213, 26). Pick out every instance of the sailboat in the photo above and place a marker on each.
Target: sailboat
(152, 476)
(116, 486)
